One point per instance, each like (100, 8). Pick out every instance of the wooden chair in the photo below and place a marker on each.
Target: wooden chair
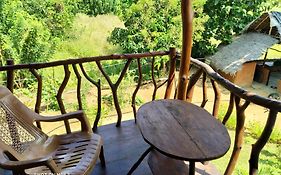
(25, 149)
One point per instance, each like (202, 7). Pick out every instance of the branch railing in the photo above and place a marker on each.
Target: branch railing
(239, 98)
(78, 66)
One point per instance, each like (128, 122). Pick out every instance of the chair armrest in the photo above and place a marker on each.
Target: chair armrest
(27, 164)
(85, 126)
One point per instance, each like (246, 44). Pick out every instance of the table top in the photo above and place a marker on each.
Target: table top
(182, 130)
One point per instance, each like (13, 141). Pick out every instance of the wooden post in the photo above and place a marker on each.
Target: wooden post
(239, 134)
(10, 76)
(259, 145)
(172, 70)
(187, 15)
(193, 80)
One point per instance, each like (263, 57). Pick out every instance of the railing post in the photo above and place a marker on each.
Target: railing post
(172, 68)
(187, 16)
(10, 76)
(191, 84)
(259, 145)
(239, 134)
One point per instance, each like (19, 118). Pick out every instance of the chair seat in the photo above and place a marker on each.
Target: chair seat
(76, 153)
(24, 148)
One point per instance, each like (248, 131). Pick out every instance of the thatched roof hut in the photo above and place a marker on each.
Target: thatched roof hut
(257, 37)
(247, 47)
(269, 23)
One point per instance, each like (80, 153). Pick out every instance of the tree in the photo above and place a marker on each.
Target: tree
(225, 19)
(150, 25)
(30, 29)
(99, 7)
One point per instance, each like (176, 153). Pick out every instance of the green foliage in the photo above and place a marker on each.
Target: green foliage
(30, 29)
(229, 17)
(150, 25)
(225, 19)
(49, 98)
(100, 7)
(57, 14)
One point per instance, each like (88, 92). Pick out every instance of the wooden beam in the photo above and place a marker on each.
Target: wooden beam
(187, 15)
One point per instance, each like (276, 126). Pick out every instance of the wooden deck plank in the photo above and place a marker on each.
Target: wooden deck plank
(122, 148)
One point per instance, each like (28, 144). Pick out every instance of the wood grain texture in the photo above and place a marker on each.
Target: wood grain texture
(182, 130)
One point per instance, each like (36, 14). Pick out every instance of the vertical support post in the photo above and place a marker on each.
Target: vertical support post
(259, 145)
(229, 110)
(136, 90)
(204, 86)
(187, 15)
(10, 76)
(217, 98)
(38, 94)
(172, 69)
(193, 80)
(239, 135)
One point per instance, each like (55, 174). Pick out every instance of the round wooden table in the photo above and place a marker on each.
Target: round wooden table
(183, 131)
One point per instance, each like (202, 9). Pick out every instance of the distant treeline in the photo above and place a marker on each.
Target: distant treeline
(30, 30)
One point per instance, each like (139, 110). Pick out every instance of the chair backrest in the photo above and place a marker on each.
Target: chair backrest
(17, 131)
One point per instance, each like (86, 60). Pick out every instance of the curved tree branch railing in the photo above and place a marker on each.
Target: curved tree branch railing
(236, 95)
(203, 70)
(33, 67)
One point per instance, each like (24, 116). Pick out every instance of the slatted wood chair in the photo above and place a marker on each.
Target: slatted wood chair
(25, 149)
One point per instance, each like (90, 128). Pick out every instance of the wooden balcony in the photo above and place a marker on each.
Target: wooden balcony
(123, 144)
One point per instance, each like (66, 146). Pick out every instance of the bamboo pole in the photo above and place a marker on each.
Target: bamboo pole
(187, 15)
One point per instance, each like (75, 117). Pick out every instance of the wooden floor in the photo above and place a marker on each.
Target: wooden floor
(124, 145)
(122, 148)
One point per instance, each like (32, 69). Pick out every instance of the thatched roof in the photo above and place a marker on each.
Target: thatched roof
(259, 35)
(269, 23)
(247, 47)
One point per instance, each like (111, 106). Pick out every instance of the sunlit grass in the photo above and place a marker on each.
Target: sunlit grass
(88, 37)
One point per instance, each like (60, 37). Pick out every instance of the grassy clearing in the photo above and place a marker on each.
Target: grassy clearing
(88, 37)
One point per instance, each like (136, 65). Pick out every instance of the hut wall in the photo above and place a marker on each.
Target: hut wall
(243, 77)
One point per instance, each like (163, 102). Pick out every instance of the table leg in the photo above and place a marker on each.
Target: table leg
(134, 167)
(191, 168)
